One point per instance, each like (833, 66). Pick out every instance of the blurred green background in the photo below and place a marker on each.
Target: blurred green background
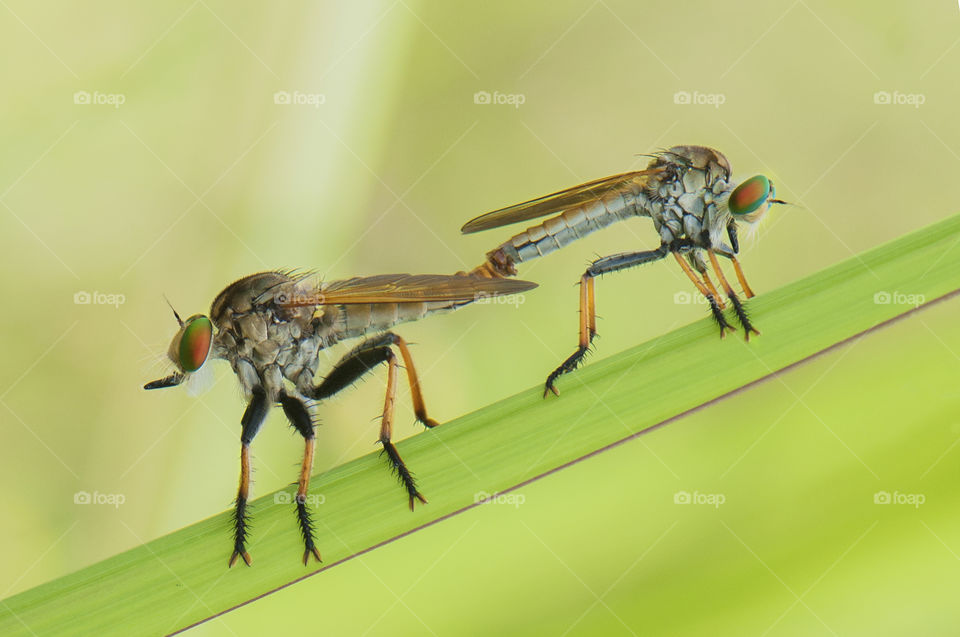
(149, 151)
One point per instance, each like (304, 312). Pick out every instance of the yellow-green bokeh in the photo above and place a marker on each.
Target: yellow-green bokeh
(200, 177)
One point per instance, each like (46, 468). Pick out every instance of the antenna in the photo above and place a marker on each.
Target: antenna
(177, 316)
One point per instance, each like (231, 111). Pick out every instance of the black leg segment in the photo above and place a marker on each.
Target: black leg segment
(253, 418)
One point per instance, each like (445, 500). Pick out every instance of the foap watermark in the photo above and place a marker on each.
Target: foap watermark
(298, 98)
(82, 297)
(696, 98)
(710, 499)
(896, 98)
(516, 300)
(911, 499)
(111, 499)
(300, 298)
(97, 98)
(515, 100)
(513, 499)
(884, 297)
(687, 298)
(285, 497)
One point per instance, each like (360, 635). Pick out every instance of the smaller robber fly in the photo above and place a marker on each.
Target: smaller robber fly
(271, 327)
(689, 194)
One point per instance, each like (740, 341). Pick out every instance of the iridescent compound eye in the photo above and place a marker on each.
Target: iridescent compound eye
(750, 195)
(194, 346)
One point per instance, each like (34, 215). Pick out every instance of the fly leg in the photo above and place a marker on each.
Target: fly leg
(737, 305)
(253, 418)
(588, 329)
(386, 433)
(697, 262)
(357, 363)
(735, 243)
(714, 306)
(588, 310)
(299, 416)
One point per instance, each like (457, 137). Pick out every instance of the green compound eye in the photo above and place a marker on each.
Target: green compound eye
(194, 345)
(749, 195)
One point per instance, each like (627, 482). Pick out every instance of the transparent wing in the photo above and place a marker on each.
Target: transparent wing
(405, 288)
(558, 201)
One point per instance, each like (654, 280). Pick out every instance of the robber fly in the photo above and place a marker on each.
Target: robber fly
(688, 193)
(271, 327)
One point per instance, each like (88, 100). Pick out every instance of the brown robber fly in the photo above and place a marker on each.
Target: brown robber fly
(271, 327)
(688, 193)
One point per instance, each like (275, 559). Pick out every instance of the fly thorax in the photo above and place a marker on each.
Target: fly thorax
(684, 201)
(265, 338)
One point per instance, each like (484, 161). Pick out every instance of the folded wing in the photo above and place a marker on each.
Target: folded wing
(559, 201)
(405, 288)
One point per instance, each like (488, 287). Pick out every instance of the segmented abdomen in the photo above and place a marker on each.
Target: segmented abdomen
(357, 320)
(565, 228)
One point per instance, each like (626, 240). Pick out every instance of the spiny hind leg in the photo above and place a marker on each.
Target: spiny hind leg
(737, 305)
(588, 309)
(588, 330)
(714, 306)
(298, 413)
(363, 359)
(357, 363)
(386, 433)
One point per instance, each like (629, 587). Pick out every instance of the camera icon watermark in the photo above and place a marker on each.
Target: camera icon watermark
(82, 297)
(86, 98)
(696, 98)
(910, 499)
(297, 98)
(687, 298)
(709, 499)
(512, 499)
(884, 297)
(896, 98)
(113, 499)
(286, 497)
(515, 100)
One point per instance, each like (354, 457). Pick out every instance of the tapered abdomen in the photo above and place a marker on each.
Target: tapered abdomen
(356, 320)
(561, 230)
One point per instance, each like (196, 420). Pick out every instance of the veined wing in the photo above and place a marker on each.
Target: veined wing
(558, 201)
(406, 288)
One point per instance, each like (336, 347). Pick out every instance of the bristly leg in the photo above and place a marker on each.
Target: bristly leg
(588, 329)
(588, 306)
(298, 413)
(573, 361)
(737, 305)
(714, 306)
(743, 317)
(240, 531)
(364, 358)
(307, 530)
(253, 418)
(386, 433)
(718, 316)
(403, 474)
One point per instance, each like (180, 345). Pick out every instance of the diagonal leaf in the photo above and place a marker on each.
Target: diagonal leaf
(181, 579)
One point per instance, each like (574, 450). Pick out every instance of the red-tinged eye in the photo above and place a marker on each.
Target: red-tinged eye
(195, 338)
(749, 195)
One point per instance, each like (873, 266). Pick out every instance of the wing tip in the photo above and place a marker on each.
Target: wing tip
(471, 226)
(523, 285)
